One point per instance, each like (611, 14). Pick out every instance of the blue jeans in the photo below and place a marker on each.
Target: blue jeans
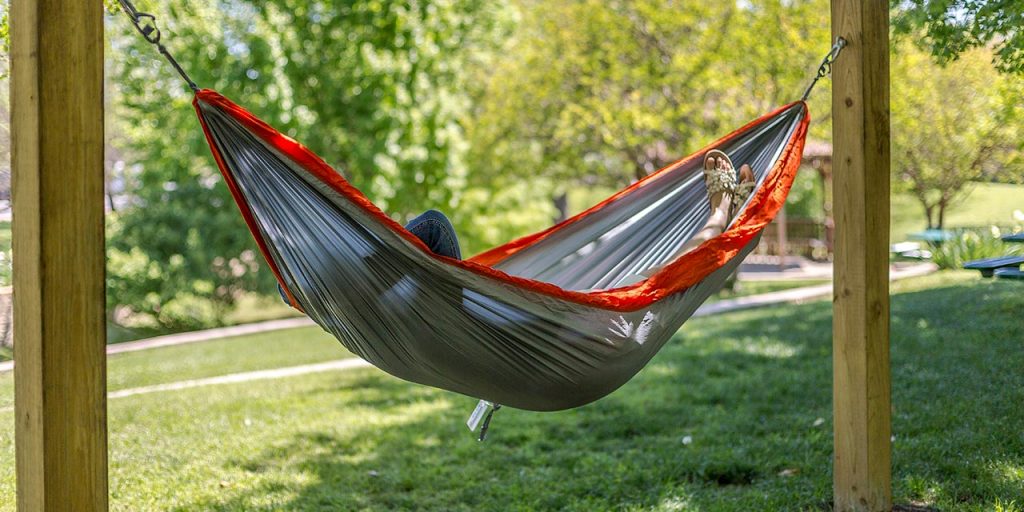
(434, 228)
(437, 232)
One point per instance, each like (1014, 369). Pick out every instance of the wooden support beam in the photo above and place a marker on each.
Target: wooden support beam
(860, 131)
(57, 154)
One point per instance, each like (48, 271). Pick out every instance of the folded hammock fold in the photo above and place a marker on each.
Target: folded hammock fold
(550, 321)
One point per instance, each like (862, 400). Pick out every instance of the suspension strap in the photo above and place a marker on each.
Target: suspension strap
(825, 68)
(145, 23)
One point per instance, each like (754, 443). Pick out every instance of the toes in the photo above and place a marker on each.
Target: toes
(746, 173)
(710, 162)
(723, 164)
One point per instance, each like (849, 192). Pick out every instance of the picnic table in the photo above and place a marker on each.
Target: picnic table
(989, 266)
(1009, 273)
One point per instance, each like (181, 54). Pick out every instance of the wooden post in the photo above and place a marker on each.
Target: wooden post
(57, 154)
(861, 395)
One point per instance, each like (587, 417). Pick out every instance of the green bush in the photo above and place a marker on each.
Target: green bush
(972, 245)
(380, 89)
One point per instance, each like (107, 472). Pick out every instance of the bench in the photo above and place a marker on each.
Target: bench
(988, 266)
(1009, 273)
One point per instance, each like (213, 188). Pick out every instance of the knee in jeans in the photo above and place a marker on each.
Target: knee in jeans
(434, 215)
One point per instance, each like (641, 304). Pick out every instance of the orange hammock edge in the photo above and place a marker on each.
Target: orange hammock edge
(677, 276)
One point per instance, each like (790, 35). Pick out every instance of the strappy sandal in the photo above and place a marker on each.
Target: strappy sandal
(717, 180)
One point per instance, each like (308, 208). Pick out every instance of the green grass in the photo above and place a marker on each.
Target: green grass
(252, 308)
(986, 204)
(5, 236)
(5, 251)
(750, 389)
(249, 308)
(274, 349)
(261, 351)
(759, 287)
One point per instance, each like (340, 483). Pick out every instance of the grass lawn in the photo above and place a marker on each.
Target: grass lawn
(274, 349)
(250, 308)
(732, 415)
(758, 287)
(5, 236)
(986, 204)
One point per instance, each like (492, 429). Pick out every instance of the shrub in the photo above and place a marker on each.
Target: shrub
(972, 245)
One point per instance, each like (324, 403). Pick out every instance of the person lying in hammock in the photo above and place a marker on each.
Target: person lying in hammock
(725, 196)
(434, 229)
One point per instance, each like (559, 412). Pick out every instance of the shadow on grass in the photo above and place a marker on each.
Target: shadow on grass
(733, 415)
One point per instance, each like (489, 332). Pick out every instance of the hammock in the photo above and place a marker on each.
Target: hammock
(550, 321)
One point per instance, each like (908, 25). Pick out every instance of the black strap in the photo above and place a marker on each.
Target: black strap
(145, 23)
(825, 68)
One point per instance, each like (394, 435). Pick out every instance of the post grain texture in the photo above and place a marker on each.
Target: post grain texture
(861, 380)
(57, 156)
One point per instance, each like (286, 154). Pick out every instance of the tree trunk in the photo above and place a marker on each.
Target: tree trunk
(639, 172)
(942, 215)
(561, 206)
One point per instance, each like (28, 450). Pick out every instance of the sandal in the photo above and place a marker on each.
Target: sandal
(718, 180)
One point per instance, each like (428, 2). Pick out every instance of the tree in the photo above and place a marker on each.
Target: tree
(599, 93)
(952, 27)
(951, 125)
(375, 87)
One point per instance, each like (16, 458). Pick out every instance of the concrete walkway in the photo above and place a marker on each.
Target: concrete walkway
(798, 295)
(793, 296)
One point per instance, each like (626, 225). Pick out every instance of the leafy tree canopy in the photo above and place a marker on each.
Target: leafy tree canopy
(952, 27)
(376, 87)
(600, 92)
(952, 125)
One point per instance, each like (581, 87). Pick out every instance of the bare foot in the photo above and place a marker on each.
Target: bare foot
(743, 189)
(720, 177)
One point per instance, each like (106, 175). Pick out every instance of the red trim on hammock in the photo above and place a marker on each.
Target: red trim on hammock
(244, 208)
(686, 271)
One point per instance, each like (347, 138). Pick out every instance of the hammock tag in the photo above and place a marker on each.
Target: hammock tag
(484, 410)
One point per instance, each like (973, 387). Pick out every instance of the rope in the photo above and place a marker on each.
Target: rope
(145, 23)
(825, 68)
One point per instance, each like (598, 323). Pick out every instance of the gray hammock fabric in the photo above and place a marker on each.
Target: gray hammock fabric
(559, 321)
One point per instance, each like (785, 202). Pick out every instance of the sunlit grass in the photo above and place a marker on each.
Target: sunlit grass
(257, 352)
(750, 392)
(985, 204)
(274, 349)
(249, 308)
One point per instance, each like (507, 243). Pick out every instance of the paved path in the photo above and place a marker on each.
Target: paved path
(795, 295)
